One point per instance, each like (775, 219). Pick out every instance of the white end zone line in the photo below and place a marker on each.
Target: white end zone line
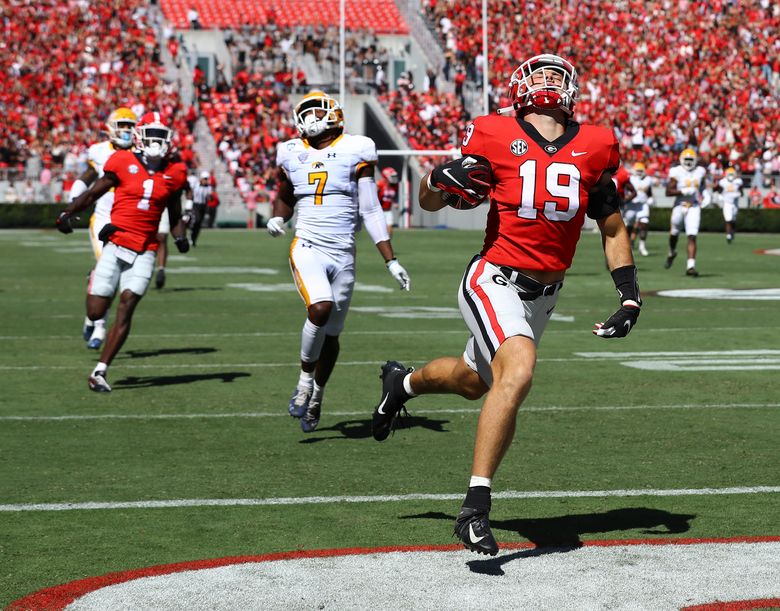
(364, 413)
(313, 500)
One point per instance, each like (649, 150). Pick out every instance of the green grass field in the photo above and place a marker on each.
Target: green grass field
(201, 388)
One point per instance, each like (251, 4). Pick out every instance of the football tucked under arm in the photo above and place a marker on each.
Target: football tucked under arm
(466, 181)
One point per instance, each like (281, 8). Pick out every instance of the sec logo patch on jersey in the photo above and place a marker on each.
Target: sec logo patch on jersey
(133, 169)
(518, 147)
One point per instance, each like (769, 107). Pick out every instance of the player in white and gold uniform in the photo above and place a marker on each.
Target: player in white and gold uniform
(686, 184)
(120, 126)
(637, 211)
(327, 177)
(730, 189)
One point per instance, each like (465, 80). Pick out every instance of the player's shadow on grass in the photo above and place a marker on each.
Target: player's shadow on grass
(152, 381)
(361, 429)
(189, 289)
(562, 533)
(142, 354)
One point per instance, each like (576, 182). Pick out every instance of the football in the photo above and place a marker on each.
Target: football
(456, 201)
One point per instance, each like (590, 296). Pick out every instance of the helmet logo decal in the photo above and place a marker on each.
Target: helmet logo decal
(518, 147)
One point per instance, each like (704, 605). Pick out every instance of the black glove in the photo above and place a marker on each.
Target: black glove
(63, 222)
(622, 321)
(182, 244)
(469, 177)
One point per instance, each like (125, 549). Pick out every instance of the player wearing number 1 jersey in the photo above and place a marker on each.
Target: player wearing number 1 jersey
(327, 177)
(543, 173)
(146, 183)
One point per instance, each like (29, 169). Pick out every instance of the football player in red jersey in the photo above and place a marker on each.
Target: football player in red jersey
(543, 173)
(387, 189)
(145, 182)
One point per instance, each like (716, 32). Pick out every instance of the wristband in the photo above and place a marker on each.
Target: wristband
(627, 285)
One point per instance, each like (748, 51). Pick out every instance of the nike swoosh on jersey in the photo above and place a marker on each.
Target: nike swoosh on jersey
(382, 404)
(472, 535)
(166, 176)
(576, 154)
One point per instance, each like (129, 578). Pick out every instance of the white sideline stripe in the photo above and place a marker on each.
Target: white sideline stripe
(312, 500)
(460, 410)
(464, 332)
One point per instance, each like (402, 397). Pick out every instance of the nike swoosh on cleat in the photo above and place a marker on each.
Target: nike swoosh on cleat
(627, 325)
(382, 404)
(574, 154)
(472, 535)
(449, 175)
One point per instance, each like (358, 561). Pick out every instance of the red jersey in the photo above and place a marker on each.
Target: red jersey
(388, 194)
(540, 189)
(620, 178)
(140, 198)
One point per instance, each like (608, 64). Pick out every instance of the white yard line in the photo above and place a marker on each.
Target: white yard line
(76, 337)
(313, 500)
(282, 413)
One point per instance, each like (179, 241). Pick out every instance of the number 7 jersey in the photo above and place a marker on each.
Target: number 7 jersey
(325, 186)
(540, 189)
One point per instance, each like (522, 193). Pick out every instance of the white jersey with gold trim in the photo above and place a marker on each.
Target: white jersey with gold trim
(689, 182)
(730, 190)
(97, 155)
(325, 186)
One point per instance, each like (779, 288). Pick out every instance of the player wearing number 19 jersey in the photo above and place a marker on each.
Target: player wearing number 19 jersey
(542, 173)
(145, 184)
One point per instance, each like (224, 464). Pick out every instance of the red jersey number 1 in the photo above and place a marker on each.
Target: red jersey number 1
(569, 190)
(148, 186)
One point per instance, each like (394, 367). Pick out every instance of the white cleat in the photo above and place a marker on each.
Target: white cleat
(643, 250)
(98, 335)
(98, 383)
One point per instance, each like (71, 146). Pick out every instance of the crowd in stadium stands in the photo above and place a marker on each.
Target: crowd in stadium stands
(251, 117)
(664, 74)
(64, 67)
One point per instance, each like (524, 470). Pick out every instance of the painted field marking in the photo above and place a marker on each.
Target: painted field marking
(724, 293)
(364, 413)
(707, 360)
(427, 312)
(379, 332)
(653, 573)
(289, 287)
(394, 498)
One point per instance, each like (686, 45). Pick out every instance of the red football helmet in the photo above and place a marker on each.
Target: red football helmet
(390, 175)
(544, 81)
(152, 136)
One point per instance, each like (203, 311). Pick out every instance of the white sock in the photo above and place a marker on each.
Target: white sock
(100, 368)
(476, 480)
(306, 380)
(408, 385)
(642, 243)
(691, 263)
(101, 322)
(312, 338)
(88, 322)
(317, 392)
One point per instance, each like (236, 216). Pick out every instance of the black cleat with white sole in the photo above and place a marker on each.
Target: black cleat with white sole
(98, 383)
(393, 398)
(473, 529)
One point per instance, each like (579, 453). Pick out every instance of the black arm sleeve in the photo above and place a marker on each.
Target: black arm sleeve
(603, 202)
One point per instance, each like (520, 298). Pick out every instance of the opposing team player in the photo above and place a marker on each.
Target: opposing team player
(543, 173)
(636, 213)
(145, 183)
(387, 188)
(730, 189)
(328, 177)
(120, 137)
(686, 184)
